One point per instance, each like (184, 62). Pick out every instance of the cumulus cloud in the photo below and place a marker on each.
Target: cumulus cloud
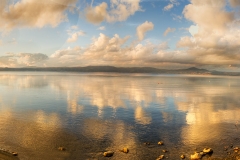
(117, 51)
(168, 30)
(215, 34)
(119, 10)
(69, 52)
(96, 14)
(104, 50)
(22, 59)
(193, 29)
(33, 13)
(208, 14)
(143, 28)
(74, 37)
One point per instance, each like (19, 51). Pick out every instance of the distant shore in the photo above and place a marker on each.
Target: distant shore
(109, 69)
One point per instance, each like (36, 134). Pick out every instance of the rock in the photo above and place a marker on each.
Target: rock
(182, 156)
(147, 143)
(14, 153)
(160, 143)
(124, 150)
(236, 149)
(108, 154)
(160, 157)
(207, 150)
(164, 151)
(61, 148)
(196, 156)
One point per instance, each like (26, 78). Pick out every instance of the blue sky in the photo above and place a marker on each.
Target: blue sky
(157, 33)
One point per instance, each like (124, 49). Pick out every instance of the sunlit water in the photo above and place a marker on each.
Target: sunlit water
(92, 113)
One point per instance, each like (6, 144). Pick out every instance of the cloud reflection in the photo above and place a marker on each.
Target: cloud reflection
(204, 103)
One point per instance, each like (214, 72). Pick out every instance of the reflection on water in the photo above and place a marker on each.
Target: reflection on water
(91, 113)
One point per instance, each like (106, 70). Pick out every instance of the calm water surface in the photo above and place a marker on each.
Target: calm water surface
(92, 113)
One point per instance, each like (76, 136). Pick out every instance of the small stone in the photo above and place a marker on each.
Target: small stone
(207, 150)
(61, 148)
(164, 151)
(147, 143)
(160, 143)
(14, 153)
(161, 157)
(125, 150)
(108, 154)
(236, 149)
(196, 156)
(182, 156)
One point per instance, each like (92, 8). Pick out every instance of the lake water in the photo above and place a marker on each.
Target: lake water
(92, 113)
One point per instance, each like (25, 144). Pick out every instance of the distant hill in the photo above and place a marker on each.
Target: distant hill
(192, 70)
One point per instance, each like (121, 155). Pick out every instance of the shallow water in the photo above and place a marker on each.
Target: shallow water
(91, 113)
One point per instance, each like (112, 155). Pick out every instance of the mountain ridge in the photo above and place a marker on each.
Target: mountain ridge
(191, 70)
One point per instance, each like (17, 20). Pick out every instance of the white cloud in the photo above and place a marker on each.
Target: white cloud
(193, 29)
(177, 17)
(22, 59)
(143, 28)
(102, 28)
(215, 34)
(74, 37)
(208, 14)
(168, 30)
(33, 13)
(119, 10)
(96, 14)
(168, 7)
(66, 52)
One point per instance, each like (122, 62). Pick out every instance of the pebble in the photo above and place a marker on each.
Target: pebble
(147, 143)
(124, 150)
(14, 153)
(236, 149)
(164, 151)
(207, 150)
(182, 156)
(160, 143)
(196, 156)
(160, 157)
(108, 154)
(61, 148)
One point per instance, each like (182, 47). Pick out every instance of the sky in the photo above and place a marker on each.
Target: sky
(167, 34)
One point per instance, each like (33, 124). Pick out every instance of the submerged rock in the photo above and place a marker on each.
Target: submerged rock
(108, 154)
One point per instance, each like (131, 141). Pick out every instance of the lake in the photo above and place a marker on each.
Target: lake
(89, 113)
